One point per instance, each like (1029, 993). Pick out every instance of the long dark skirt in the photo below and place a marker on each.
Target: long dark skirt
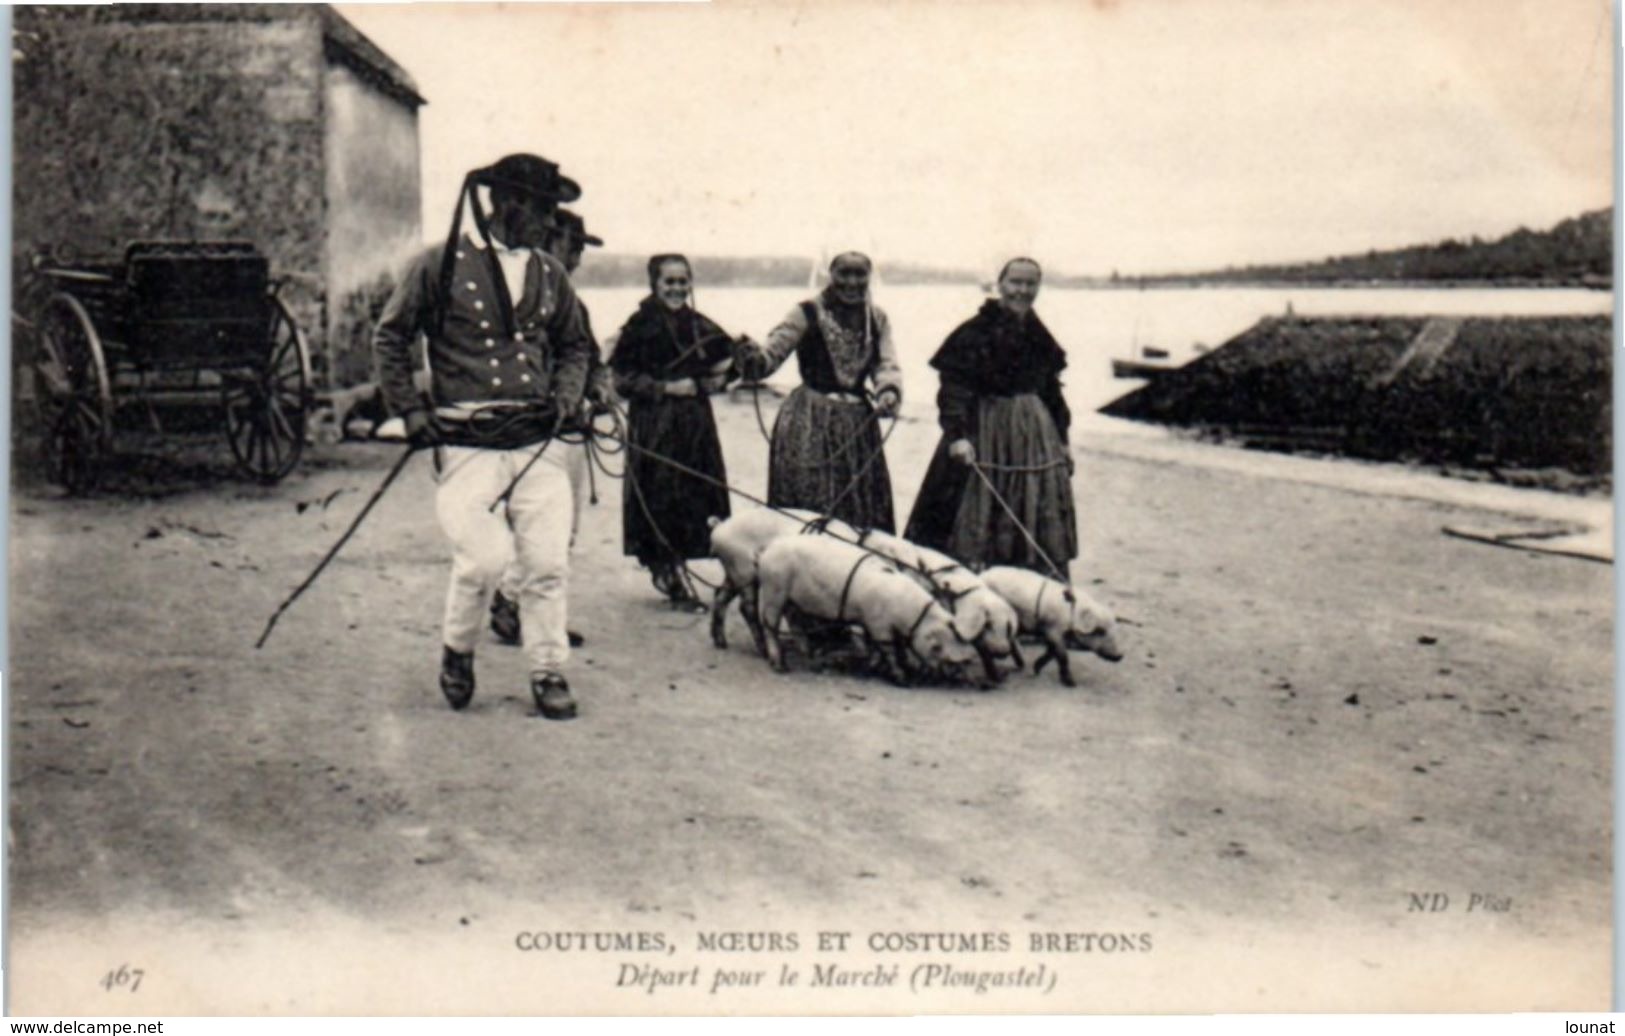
(820, 446)
(1023, 456)
(683, 429)
(931, 523)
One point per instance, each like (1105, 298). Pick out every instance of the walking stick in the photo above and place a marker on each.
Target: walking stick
(378, 493)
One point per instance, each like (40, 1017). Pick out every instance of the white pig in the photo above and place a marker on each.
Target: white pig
(829, 579)
(980, 615)
(737, 541)
(1064, 616)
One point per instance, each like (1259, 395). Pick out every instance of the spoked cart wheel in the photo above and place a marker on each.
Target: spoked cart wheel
(75, 396)
(265, 407)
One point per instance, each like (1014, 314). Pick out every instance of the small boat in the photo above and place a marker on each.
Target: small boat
(1138, 369)
(1153, 362)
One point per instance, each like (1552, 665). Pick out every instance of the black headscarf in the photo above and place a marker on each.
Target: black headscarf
(999, 351)
(657, 340)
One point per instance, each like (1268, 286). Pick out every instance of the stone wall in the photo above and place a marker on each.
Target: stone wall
(144, 127)
(277, 124)
(373, 225)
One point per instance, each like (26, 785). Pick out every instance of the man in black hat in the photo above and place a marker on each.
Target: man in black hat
(509, 354)
(568, 241)
(570, 238)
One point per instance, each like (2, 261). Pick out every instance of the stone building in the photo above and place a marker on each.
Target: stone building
(279, 124)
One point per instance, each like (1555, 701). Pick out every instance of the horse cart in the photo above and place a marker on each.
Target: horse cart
(171, 326)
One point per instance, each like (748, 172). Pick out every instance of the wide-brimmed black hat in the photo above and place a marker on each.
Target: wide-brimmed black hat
(529, 174)
(572, 224)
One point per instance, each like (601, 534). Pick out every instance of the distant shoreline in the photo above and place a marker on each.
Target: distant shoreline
(1576, 253)
(1277, 285)
(1077, 284)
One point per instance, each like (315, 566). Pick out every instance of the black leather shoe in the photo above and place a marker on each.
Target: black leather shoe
(457, 677)
(505, 622)
(552, 694)
(505, 618)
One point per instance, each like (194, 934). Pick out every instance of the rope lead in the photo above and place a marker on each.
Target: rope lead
(592, 437)
(1060, 576)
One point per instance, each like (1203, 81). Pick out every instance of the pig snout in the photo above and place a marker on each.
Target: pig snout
(940, 646)
(1101, 640)
(999, 633)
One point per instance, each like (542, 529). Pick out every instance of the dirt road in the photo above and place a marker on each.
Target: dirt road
(1327, 710)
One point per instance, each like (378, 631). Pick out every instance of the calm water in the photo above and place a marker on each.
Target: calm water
(1096, 326)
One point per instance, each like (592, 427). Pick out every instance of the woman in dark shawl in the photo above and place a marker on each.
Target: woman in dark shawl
(826, 454)
(669, 358)
(1001, 409)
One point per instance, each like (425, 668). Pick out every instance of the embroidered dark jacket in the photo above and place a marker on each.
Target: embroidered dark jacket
(544, 353)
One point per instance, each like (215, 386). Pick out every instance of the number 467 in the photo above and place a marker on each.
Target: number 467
(125, 976)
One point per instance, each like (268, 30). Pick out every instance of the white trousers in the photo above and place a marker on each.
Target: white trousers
(513, 575)
(532, 533)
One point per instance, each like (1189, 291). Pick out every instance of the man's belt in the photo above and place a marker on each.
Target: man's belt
(498, 427)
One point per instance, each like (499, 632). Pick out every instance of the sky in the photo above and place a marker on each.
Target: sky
(1131, 135)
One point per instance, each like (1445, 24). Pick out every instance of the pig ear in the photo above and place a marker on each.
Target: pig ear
(986, 622)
